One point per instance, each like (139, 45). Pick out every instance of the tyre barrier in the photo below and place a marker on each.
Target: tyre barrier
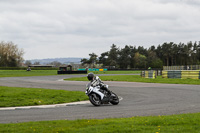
(148, 74)
(181, 74)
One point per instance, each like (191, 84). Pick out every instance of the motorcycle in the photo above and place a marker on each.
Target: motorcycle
(98, 96)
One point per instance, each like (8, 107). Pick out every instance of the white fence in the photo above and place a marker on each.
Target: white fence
(188, 67)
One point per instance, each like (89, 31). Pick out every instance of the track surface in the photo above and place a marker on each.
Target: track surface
(139, 99)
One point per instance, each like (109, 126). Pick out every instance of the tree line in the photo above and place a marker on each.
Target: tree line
(166, 54)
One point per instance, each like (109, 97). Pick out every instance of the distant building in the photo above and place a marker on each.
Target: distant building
(42, 66)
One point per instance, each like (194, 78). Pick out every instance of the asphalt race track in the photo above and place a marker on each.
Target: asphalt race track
(139, 99)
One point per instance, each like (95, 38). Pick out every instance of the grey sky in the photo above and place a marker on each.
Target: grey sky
(75, 28)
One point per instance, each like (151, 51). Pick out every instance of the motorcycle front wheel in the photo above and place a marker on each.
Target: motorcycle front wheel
(115, 99)
(95, 99)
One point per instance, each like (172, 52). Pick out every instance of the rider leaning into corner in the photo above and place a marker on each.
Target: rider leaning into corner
(95, 80)
(99, 93)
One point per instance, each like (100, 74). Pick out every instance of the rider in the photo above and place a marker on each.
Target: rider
(95, 80)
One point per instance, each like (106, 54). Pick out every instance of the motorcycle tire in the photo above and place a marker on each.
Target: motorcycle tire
(115, 99)
(95, 99)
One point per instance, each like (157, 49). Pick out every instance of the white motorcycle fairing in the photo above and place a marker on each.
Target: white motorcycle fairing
(97, 96)
(95, 90)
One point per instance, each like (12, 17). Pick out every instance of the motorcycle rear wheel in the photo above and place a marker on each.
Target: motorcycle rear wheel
(95, 99)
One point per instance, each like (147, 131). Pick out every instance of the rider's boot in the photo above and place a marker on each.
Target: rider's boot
(105, 100)
(109, 92)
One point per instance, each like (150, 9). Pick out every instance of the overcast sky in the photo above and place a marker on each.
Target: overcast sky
(75, 28)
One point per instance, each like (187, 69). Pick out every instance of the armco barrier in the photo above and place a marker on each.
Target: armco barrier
(149, 74)
(181, 74)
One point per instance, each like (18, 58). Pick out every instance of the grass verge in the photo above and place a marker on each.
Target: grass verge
(15, 96)
(20, 73)
(184, 123)
(115, 72)
(137, 78)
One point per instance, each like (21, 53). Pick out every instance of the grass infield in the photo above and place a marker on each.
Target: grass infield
(21, 73)
(184, 123)
(16, 96)
(137, 78)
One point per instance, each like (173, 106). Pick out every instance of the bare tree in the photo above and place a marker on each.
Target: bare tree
(10, 55)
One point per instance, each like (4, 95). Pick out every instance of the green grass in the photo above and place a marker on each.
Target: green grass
(137, 78)
(15, 96)
(184, 123)
(115, 72)
(20, 73)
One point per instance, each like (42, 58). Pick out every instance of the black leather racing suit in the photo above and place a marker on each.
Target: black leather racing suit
(97, 81)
